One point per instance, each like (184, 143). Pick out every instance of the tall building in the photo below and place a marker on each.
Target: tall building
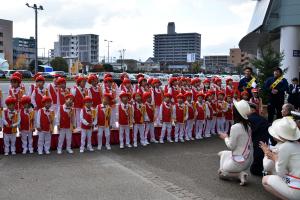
(24, 46)
(6, 33)
(85, 47)
(174, 47)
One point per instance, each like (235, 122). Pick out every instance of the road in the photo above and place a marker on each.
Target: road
(159, 171)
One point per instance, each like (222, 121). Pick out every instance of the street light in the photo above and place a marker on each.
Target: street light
(36, 8)
(108, 41)
(122, 52)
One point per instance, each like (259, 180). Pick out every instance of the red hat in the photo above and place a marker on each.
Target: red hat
(76, 77)
(140, 75)
(188, 80)
(126, 81)
(123, 76)
(208, 94)
(36, 75)
(229, 79)
(92, 78)
(150, 81)
(172, 79)
(80, 78)
(124, 94)
(69, 96)
(146, 95)
(254, 90)
(10, 100)
(108, 79)
(61, 80)
(221, 93)
(107, 75)
(155, 80)
(180, 96)
(195, 80)
(206, 81)
(25, 100)
(229, 95)
(168, 95)
(137, 94)
(141, 79)
(108, 96)
(200, 94)
(46, 99)
(18, 74)
(188, 94)
(244, 93)
(217, 80)
(15, 78)
(40, 78)
(87, 99)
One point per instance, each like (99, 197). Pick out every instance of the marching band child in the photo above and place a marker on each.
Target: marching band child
(172, 89)
(79, 92)
(221, 110)
(142, 85)
(196, 87)
(180, 117)
(214, 103)
(53, 88)
(245, 95)
(190, 116)
(256, 100)
(65, 121)
(126, 86)
(149, 117)
(87, 117)
(103, 121)
(138, 119)
(229, 87)
(26, 124)
(200, 115)
(95, 91)
(125, 113)
(208, 114)
(62, 91)
(45, 125)
(16, 90)
(110, 87)
(206, 85)
(157, 97)
(10, 120)
(165, 116)
(38, 93)
(229, 113)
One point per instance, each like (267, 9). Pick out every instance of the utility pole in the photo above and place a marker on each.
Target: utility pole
(108, 41)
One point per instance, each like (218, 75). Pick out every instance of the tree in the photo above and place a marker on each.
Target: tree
(59, 64)
(32, 63)
(21, 62)
(270, 59)
(195, 67)
(108, 68)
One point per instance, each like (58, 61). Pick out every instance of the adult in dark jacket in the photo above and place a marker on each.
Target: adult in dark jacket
(248, 82)
(294, 93)
(259, 126)
(276, 87)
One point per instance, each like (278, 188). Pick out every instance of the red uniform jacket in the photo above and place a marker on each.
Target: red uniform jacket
(150, 112)
(45, 121)
(138, 113)
(53, 93)
(61, 95)
(79, 96)
(229, 113)
(88, 116)
(96, 95)
(190, 110)
(180, 113)
(103, 115)
(65, 118)
(166, 113)
(157, 96)
(124, 114)
(200, 111)
(10, 121)
(27, 120)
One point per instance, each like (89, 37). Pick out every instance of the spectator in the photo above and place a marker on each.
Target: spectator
(276, 87)
(294, 93)
(248, 82)
(287, 110)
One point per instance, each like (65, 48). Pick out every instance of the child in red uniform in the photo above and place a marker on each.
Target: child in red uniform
(62, 91)
(65, 121)
(157, 97)
(45, 125)
(16, 90)
(208, 114)
(256, 100)
(221, 110)
(196, 87)
(190, 116)
(38, 93)
(229, 86)
(180, 116)
(245, 95)
(142, 86)
(138, 119)
(173, 89)
(214, 103)
(200, 115)
(165, 116)
(79, 92)
(26, 124)
(87, 117)
(10, 120)
(95, 91)
(149, 117)
(103, 121)
(229, 113)
(53, 88)
(125, 114)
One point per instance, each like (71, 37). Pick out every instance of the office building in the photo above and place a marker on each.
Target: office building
(85, 47)
(25, 47)
(6, 44)
(174, 48)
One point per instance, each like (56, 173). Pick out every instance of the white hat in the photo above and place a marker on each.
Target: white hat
(285, 128)
(243, 108)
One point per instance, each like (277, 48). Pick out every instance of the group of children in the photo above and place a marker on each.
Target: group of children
(196, 108)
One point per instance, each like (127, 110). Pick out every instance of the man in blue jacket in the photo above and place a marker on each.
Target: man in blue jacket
(248, 82)
(276, 87)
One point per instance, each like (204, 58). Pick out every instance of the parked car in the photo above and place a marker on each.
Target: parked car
(46, 74)
(2, 74)
(61, 73)
(25, 73)
(9, 73)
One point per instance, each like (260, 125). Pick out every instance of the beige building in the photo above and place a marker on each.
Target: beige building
(238, 58)
(6, 41)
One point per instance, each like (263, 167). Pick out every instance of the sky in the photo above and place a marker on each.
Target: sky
(131, 24)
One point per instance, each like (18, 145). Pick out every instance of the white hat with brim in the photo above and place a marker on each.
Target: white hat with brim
(243, 108)
(285, 128)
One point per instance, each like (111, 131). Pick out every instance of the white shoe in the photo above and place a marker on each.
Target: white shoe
(91, 149)
(59, 151)
(187, 139)
(144, 144)
(135, 145)
(6, 154)
(13, 153)
(31, 151)
(121, 146)
(243, 178)
(128, 145)
(161, 141)
(40, 153)
(170, 140)
(81, 150)
(70, 151)
(176, 139)
(154, 141)
(207, 135)
(99, 148)
(108, 147)
(47, 152)
(181, 140)
(192, 138)
(24, 152)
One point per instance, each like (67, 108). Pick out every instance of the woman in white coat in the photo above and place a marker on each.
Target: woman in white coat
(233, 163)
(286, 183)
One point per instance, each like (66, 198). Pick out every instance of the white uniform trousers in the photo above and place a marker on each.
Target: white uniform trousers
(77, 118)
(189, 124)
(166, 126)
(220, 125)
(228, 124)
(179, 131)
(9, 142)
(139, 128)
(86, 134)
(156, 115)
(207, 128)
(113, 116)
(213, 125)
(199, 128)
(149, 129)
(44, 141)
(123, 129)
(26, 137)
(64, 133)
(106, 131)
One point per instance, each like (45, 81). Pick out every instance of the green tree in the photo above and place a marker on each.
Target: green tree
(59, 64)
(195, 67)
(270, 59)
(108, 68)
